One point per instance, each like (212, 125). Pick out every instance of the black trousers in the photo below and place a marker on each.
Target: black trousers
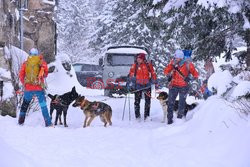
(173, 92)
(138, 96)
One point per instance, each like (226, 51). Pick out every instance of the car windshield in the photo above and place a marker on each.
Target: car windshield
(121, 59)
(86, 67)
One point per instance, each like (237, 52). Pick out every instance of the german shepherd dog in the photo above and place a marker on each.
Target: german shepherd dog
(93, 109)
(163, 98)
(61, 104)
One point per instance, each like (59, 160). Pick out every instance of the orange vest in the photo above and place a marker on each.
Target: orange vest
(177, 79)
(143, 73)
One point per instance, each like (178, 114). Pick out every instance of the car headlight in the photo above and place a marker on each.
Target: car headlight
(111, 74)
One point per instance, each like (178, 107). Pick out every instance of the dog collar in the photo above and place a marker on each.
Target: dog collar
(82, 107)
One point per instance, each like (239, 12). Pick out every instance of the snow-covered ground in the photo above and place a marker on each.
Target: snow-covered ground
(214, 134)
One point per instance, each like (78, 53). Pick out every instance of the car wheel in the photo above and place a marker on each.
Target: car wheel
(97, 85)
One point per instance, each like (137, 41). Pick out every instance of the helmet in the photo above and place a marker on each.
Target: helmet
(142, 56)
(33, 51)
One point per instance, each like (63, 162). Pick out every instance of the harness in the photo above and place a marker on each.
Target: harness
(58, 101)
(186, 78)
(89, 105)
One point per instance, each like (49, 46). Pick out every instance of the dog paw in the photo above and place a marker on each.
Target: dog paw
(66, 126)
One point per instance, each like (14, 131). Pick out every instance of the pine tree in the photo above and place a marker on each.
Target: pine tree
(76, 24)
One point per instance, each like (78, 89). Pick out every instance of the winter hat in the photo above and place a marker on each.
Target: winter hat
(179, 54)
(142, 56)
(33, 52)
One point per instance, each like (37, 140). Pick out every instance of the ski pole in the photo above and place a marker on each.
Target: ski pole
(124, 108)
(129, 107)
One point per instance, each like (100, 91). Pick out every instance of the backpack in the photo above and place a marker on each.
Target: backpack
(32, 70)
(187, 57)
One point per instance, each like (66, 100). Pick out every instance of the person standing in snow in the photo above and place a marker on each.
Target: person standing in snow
(32, 74)
(144, 75)
(179, 69)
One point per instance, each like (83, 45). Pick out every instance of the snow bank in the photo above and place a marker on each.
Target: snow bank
(220, 81)
(215, 136)
(62, 81)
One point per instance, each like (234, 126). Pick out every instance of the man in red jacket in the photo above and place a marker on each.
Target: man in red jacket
(143, 74)
(179, 69)
(32, 89)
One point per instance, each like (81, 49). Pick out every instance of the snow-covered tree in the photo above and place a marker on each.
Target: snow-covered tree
(208, 28)
(76, 22)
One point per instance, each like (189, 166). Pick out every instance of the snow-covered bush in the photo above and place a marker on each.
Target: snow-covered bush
(235, 89)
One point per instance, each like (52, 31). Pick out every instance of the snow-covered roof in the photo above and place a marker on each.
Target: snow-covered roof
(126, 50)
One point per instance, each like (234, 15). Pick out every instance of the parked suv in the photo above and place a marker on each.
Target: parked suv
(116, 64)
(89, 75)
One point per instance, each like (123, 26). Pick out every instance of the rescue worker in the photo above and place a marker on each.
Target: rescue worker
(32, 74)
(179, 69)
(142, 72)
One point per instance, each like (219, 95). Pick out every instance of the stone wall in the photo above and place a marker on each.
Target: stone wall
(39, 28)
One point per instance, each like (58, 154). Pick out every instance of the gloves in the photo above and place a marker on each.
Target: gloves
(131, 84)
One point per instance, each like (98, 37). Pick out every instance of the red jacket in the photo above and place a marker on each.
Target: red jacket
(143, 74)
(31, 87)
(177, 79)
